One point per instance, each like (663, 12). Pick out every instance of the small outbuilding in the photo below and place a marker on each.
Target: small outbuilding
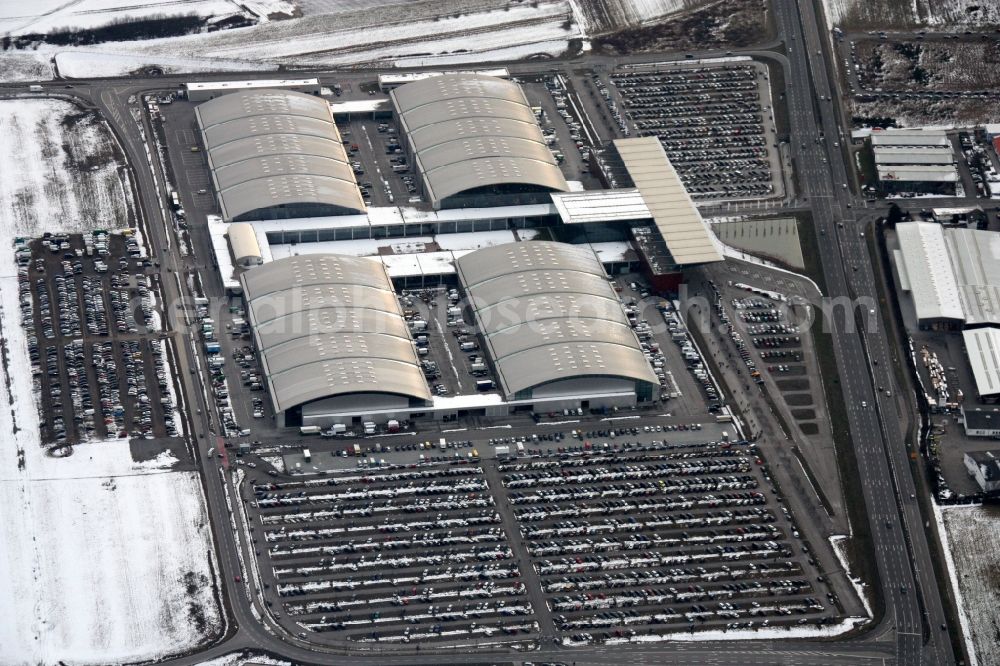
(243, 244)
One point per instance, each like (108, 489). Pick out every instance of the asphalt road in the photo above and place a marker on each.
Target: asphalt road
(901, 551)
(901, 548)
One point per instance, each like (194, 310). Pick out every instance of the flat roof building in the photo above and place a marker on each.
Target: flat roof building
(952, 274)
(552, 324)
(895, 155)
(475, 139)
(917, 173)
(601, 206)
(332, 339)
(202, 91)
(276, 154)
(982, 345)
(925, 270)
(910, 137)
(975, 260)
(688, 238)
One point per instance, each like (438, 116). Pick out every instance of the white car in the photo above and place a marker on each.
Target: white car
(864, 403)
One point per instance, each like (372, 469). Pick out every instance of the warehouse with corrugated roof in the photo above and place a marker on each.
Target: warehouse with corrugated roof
(276, 154)
(332, 340)
(553, 326)
(475, 142)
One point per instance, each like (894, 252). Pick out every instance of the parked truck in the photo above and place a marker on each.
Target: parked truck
(309, 430)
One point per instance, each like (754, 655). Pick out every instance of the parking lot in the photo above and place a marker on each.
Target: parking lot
(596, 537)
(100, 367)
(716, 124)
(658, 539)
(383, 172)
(401, 555)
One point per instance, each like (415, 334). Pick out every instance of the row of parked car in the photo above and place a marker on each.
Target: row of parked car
(401, 554)
(104, 401)
(668, 538)
(711, 123)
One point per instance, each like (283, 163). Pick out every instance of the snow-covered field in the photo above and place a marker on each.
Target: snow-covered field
(102, 559)
(401, 33)
(44, 16)
(79, 64)
(973, 557)
(461, 31)
(66, 179)
(25, 66)
(905, 13)
(606, 15)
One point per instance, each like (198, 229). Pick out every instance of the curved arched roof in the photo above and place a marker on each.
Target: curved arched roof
(548, 313)
(262, 102)
(240, 128)
(261, 168)
(468, 131)
(269, 148)
(330, 325)
(274, 144)
(327, 320)
(470, 128)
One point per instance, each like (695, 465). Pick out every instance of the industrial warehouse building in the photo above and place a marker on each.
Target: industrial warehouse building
(203, 91)
(915, 160)
(335, 348)
(982, 346)
(334, 345)
(475, 141)
(332, 340)
(953, 275)
(553, 326)
(276, 154)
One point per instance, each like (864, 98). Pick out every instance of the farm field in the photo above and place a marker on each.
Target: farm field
(417, 29)
(908, 113)
(401, 33)
(46, 16)
(69, 174)
(886, 14)
(104, 559)
(974, 565)
(609, 15)
(25, 67)
(929, 65)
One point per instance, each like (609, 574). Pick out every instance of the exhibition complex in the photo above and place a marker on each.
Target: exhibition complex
(319, 269)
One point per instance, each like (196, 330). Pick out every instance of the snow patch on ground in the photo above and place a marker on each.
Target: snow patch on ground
(245, 658)
(601, 16)
(837, 541)
(764, 633)
(552, 47)
(30, 66)
(77, 64)
(104, 559)
(969, 538)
